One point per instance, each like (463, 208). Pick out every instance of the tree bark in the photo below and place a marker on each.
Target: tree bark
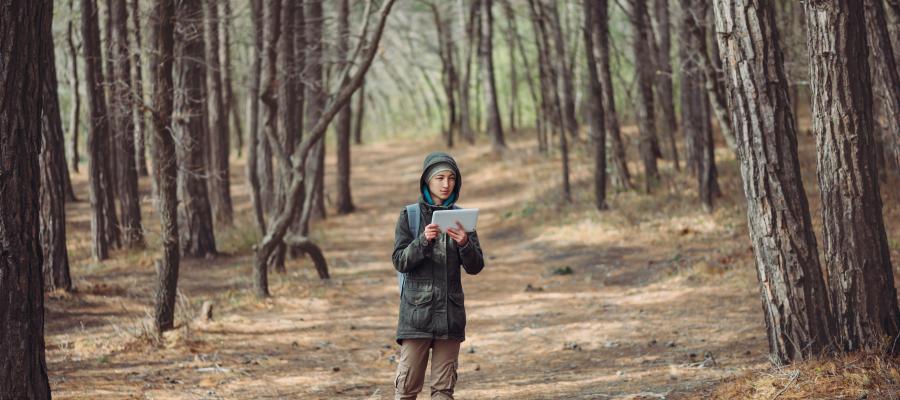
(315, 103)
(52, 179)
(695, 107)
(75, 113)
(197, 236)
(164, 163)
(887, 75)
(663, 75)
(25, 29)
(123, 112)
(538, 115)
(792, 288)
(620, 177)
(595, 107)
(109, 86)
(511, 34)
(253, 136)
(231, 103)
(358, 114)
(140, 127)
(563, 74)
(495, 126)
(219, 182)
(104, 226)
(344, 118)
(449, 78)
(272, 24)
(857, 258)
(467, 25)
(645, 111)
(549, 106)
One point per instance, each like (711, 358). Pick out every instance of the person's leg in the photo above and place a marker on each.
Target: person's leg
(444, 362)
(411, 369)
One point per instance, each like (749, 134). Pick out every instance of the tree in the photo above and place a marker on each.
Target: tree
(315, 103)
(595, 104)
(344, 118)
(511, 39)
(104, 225)
(649, 148)
(52, 179)
(220, 183)
(663, 81)
(887, 75)
(495, 127)
(563, 73)
(857, 258)
(272, 26)
(300, 167)
(467, 25)
(123, 112)
(621, 177)
(25, 23)
(360, 109)
(195, 215)
(228, 96)
(164, 162)
(695, 107)
(253, 136)
(792, 288)
(140, 127)
(449, 77)
(75, 113)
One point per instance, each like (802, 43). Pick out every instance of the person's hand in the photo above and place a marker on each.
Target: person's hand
(432, 231)
(458, 235)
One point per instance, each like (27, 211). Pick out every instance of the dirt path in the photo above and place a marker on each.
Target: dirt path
(654, 286)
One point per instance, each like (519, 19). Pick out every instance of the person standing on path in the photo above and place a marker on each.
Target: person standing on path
(432, 309)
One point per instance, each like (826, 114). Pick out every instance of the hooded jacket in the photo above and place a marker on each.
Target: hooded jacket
(432, 304)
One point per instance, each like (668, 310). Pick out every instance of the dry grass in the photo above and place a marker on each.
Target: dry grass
(855, 376)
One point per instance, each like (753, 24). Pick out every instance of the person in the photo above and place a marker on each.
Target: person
(432, 307)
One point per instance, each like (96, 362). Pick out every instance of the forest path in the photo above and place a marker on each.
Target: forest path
(572, 303)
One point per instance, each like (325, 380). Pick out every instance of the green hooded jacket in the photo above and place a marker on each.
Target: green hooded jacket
(432, 304)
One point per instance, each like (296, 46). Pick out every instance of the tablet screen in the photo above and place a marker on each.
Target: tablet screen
(447, 218)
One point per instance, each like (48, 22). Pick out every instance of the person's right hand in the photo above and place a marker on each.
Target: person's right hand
(432, 231)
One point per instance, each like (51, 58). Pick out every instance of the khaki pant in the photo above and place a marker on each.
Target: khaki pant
(413, 360)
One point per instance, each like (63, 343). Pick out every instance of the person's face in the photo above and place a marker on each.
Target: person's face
(441, 185)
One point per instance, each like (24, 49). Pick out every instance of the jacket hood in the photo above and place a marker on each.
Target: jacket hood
(432, 159)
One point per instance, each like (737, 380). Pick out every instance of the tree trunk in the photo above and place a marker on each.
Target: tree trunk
(219, 182)
(344, 119)
(857, 258)
(644, 107)
(549, 102)
(109, 86)
(272, 24)
(595, 107)
(358, 114)
(75, 114)
(253, 136)
(231, 103)
(195, 215)
(495, 126)
(564, 76)
(716, 94)
(104, 226)
(792, 288)
(468, 26)
(664, 75)
(621, 177)
(164, 163)
(887, 75)
(52, 179)
(538, 115)
(315, 103)
(26, 24)
(123, 112)
(449, 78)
(511, 35)
(138, 85)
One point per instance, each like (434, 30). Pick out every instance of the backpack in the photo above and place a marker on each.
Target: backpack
(412, 218)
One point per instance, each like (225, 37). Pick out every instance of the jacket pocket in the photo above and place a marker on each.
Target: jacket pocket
(418, 304)
(457, 313)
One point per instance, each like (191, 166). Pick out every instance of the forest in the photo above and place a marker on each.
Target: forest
(677, 199)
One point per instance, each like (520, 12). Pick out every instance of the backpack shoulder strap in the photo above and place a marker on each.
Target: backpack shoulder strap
(412, 218)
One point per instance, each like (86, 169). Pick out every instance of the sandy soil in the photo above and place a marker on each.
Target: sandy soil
(661, 298)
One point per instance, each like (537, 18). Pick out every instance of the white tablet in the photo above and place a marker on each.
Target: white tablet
(447, 218)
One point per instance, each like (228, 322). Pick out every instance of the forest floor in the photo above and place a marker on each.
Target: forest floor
(655, 298)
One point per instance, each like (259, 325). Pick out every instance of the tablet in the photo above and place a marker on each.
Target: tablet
(447, 218)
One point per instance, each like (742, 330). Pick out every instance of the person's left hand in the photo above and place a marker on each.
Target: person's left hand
(458, 234)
